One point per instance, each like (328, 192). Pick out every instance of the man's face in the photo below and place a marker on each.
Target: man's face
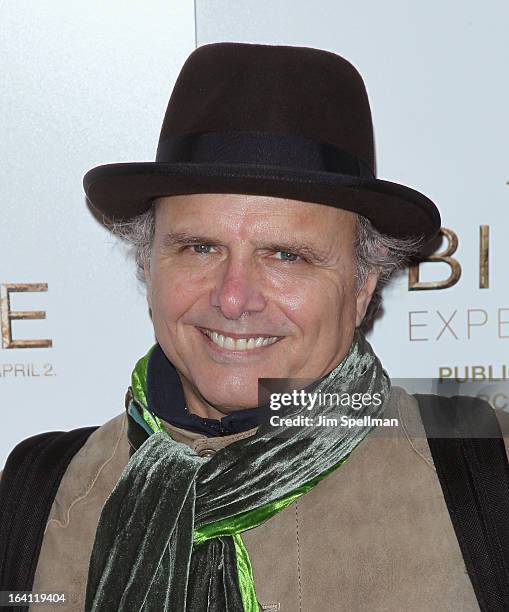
(243, 287)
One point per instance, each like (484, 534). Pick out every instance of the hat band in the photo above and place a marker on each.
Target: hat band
(260, 149)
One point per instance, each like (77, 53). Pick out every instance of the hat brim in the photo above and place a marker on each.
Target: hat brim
(125, 190)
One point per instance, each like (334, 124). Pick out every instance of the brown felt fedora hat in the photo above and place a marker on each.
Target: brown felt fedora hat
(289, 122)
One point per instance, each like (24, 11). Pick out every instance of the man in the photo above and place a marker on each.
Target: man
(264, 238)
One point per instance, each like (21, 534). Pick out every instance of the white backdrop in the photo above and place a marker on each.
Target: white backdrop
(85, 83)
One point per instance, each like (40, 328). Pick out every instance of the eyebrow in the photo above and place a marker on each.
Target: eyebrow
(176, 239)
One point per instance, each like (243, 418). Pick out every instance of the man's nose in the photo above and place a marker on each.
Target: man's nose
(238, 289)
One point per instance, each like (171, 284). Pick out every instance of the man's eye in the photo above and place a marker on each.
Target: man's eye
(286, 256)
(202, 248)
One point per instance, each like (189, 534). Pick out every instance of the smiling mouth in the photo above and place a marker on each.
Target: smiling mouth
(239, 344)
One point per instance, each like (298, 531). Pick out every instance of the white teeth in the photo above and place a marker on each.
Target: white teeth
(229, 343)
(239, 344)
(216, 338)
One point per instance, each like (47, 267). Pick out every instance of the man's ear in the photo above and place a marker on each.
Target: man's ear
(364, 296)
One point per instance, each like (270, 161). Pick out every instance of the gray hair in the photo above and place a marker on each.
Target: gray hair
(376, 252)
(138, 233)
(382, 254)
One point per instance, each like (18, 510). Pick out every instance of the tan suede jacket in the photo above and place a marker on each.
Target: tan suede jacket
(374, 535)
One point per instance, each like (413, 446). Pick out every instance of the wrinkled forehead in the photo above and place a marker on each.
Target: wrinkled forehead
(252, 215)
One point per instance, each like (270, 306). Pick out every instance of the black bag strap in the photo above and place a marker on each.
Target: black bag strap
(30, 480)
(468, 450)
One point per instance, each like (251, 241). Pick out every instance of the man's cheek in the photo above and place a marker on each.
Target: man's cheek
(295, 301)
(187, 283)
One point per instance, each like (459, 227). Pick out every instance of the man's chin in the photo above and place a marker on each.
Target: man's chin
(229, 404)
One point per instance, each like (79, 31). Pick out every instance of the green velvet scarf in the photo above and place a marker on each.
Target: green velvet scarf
(168, 538)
